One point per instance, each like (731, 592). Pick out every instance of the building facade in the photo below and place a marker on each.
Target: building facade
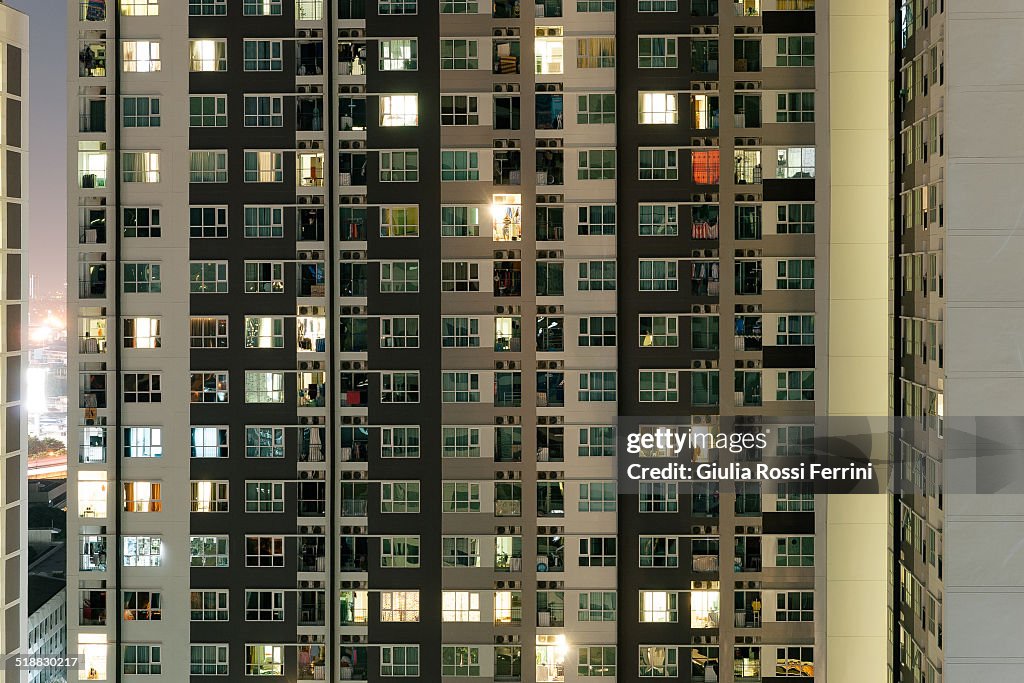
(323, 251)
(14, 320)
(47, 627)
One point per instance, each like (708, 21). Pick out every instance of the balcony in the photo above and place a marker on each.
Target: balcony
(355, 444)
(352, 280)
(312, 499)
(312, 392)
(508, 390)
(312, 277)
(93, 610)
(747, 391)
(312, 608)
(311, 225)
(747, 556)
(312, 663)
(353, 554)
(749, 334)
(92, 10)
(92, 226)
(550, 167)
(310, 169)
(311, 334)
(550, 554)
(508, 616)
(353, 663)
(352, 169)
(351, 113)
(92, 60)
(550, 389)
(508, 278)
(704, 278)
(92, 117)
(351, 59)
(311, 444)
(508, 554)
(705, 563)
(355, 389)
(508, 167)
(309, 114)
(93, 557)
(309, 58)
(312, 554)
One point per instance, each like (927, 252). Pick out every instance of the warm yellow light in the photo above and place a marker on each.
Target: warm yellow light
(561, 647)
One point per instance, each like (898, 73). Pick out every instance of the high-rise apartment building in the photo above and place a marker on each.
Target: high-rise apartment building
(324, 251)
(14, 321)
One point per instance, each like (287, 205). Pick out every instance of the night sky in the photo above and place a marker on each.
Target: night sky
(47, 140)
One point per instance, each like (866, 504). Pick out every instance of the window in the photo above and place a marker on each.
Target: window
(597, 220)
(208, 660)
(209, 442)
(597, 386)
(140, 56)
(795, 107)
(705, 167)
(460, 606)
(209, 496)
(141, 551)
(659, 164)
(459, 54)
(794, 219)
(140, 167)
(400, 496)
(264, 333)
(264, 387)
(264, 221)
(208, 551)
(141, 333)
(596, 108)
(263, 111)
(596, 276)
(400, 221)
(659, 607)
(399, 110)
(208, 167)
(264, 442)
(659, 497)
(459, 110)
(460, 496)
(398, 55)
(263, 167)
(596, 442)
(262, 55)
(208, 333)
(459, 166)
(658, 220)
(794, 606)
(659, 330)
(673, 6)
(460, 442)
(659, 108)
(400, 332)
(142, 442)
(141, 659)
(460, 660)
(264, 605)
(704, 333)
(597, 331)
(264, 277)
(264, 660)
(264, 551)
(208, 55)
(795, 51)
(595, 5)
(795, 330)
(264, 496)
(658, 661)
(460, 332)
(399, 660)
(659, 275)
(704, 388)
(657, 53)
(794, 551)
(261, 8)
(207, 111)
(142, 606)
(795, 385)
(597, 496)
(595, 53)
(596, 164)
(140, 8)
(659, 551)
(207, 8)
(141, 387)
(799, 661)
(141, 222)
(795, 274)
(597, 606)
(658, 386)
(460, 551)
(460, 276)
(460, 7)
(460, 387)
(209, 387)
(399, 166)
(208, 221)
(140, 112)
(208, 605)
(795, 162)
(597, 551)
(400, 606)
(400, 551)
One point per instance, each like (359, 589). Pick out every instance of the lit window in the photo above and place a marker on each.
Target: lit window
(400, 221)
(264, 660)
(142, 496)
(460, 606)
(399, 110)
(209, 496)
(208, 605)
(398, 55)
(659, 661)
(400, 606)
(142, 606)
(141, 333)
(141, 551)
(207, 8)
(795, 162)
(209, 442)
(595, 53)
(140, 167)
(142, 442)
(263, 167)
(140, 8)
(261, 8)
(659, 607)
(264, 332)
(140, 56)
(92, 496)
(208, 167)
(208, 55)
(264, 387)
(548, 50)
(310, 169)
(659, 107)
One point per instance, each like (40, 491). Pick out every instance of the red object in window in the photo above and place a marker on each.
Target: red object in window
(706, 167)
(352, 398)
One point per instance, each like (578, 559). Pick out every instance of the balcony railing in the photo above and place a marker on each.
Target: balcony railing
(705, 563)
(512, 616)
